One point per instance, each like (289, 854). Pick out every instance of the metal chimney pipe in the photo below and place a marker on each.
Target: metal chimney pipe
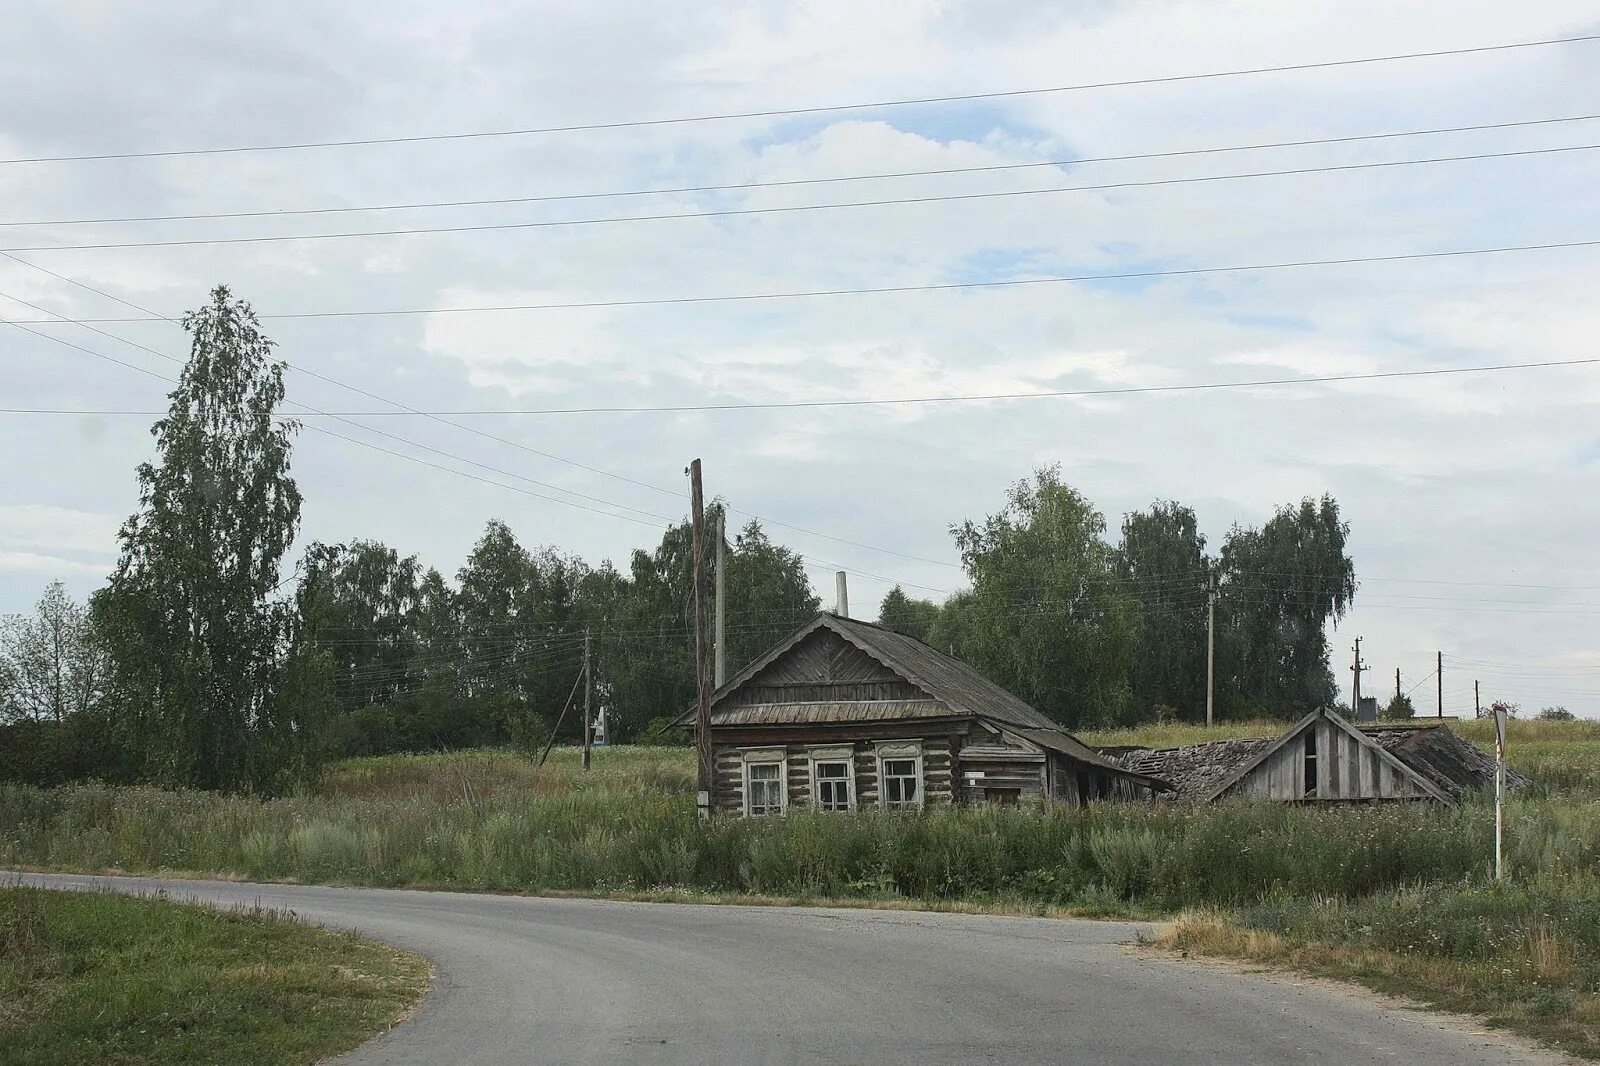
(841, 597)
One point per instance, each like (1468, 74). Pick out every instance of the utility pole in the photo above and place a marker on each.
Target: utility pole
(1477, 703)
(1211, 648)
(722, 597)
(1499, 791)
(1438, 671)
(1397, 684)
(702, 658)
(588, 690)
(1355, 688)
(841, 595)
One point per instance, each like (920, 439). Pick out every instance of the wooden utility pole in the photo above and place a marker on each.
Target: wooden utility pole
(722, 597)
(1397, 684)
(1499, 791)
(1438, 671)
(1477, 702)
(702, 642)
(588, 692)
(1211, 648)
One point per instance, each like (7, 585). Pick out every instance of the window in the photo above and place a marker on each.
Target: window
(900, 774)
(831, 785)
(900, 781)
(766, 783)
(1309, 787)
(765, 787)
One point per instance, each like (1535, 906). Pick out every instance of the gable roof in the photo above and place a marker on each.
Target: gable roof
(1298, 729)
(1438, 761)
(954, 690)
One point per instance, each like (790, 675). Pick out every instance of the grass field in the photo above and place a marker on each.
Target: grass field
(1311, 878)
(94, 977)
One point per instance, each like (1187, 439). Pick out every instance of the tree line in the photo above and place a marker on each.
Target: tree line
(199, 664)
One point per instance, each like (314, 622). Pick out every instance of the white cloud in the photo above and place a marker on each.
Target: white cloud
(1473, 477)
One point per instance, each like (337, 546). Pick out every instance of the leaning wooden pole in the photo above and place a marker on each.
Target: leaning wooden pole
(702, 642)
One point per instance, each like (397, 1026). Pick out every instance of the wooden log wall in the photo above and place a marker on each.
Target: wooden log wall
(937, 780)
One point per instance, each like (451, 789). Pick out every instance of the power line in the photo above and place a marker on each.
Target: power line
(948, 286)
(382, 433)
(1209, 386)
(811, 110)
(477, 432)
(813, 563)
(733, 212)
(794, 182)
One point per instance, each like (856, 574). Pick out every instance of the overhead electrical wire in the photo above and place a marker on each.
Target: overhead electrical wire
(736, 212)
(811, 110)
(810, 561)
(468, 429)
(947, 286)
(794, 182)
(757, 405)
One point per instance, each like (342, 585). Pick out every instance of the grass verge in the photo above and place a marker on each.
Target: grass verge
(1522, 959)
(97, 977)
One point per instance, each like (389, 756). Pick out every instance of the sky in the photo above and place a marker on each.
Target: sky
(1473, 500)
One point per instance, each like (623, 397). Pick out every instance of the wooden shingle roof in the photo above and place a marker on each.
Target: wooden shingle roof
(1453, 763)
(953, 690)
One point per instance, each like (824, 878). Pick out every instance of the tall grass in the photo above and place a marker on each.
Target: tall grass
(1098, 857)
(493, 820)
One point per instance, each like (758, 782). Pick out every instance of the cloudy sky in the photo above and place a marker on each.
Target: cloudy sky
(1474, 500)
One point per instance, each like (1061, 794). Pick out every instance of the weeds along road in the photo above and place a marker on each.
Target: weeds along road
(527, 980)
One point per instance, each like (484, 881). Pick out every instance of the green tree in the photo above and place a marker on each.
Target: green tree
(768, 594)
(197, 643)
(1555, 714)
(1162, 560)
(1048, 617)
(52, 663)
(358, 604)
(1399, 708)
(904, 614)
(1280, 586)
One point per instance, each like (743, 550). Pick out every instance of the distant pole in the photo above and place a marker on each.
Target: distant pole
(702, 658)
(1477, 703)
(722, 598)
(1397, 684)
(1438, 671)
(588, 691)
(1355, 687)
(1499, 792)
(841, 595)
(1211, 649)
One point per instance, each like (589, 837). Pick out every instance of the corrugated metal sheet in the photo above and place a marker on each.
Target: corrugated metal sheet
(831, 711)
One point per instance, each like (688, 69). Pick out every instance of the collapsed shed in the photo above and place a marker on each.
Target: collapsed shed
(1323, 757)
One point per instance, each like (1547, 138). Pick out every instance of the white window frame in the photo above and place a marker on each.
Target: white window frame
(898, 750)
(766, 757)
(845, 754)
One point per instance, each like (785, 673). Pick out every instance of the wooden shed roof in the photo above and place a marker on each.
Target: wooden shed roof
(1454, 764)
(1443, 758)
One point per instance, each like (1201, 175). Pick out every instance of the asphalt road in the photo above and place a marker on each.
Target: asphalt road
(525, 980)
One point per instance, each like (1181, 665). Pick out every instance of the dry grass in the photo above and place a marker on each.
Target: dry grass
(1536, 986)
